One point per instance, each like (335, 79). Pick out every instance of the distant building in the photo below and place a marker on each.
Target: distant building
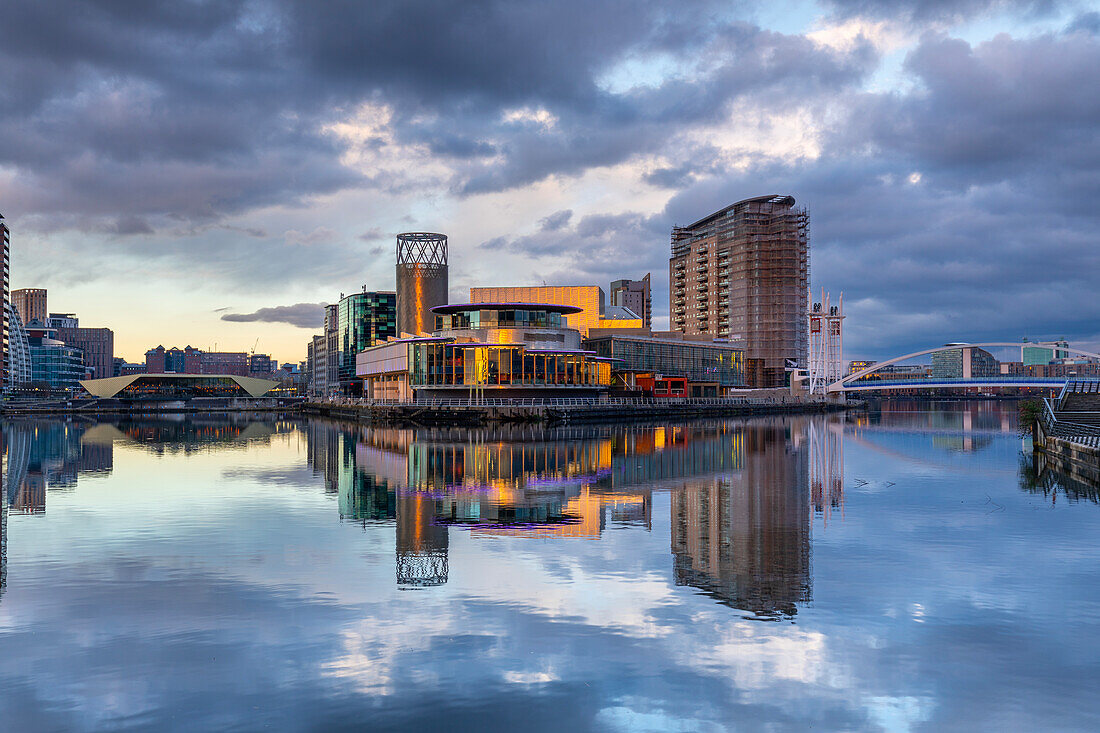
(31, 304)
(224, 362)
(742, 273)
(362, 320)
(259, 364)
(966, 362)
(635, 295)
(54, 364)
(589, 299)
(1033, 355)
(160, 360)
(98, 345)
(858, 365)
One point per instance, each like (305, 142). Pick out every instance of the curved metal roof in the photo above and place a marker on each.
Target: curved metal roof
(549, 307)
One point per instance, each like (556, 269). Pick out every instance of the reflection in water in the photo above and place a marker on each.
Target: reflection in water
(1039, 476)
(47, 454)
(740, 493)
(745, 538)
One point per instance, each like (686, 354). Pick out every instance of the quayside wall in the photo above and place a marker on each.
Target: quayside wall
(576, 413)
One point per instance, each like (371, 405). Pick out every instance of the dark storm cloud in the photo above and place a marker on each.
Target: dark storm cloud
(302, 315)
(965, 211)
(925, 11)
(193, 111)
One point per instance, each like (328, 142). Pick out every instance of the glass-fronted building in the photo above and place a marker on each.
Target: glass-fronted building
(362, 320)
(55, 365)
(711, 368)
(488, 349)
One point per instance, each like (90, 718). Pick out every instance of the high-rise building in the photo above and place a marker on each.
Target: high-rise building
(742, 274)
(261, 364)
(362, 320)
(19, 351)
(31, 304)
(5, 243)
(421, 281)
(635, 295)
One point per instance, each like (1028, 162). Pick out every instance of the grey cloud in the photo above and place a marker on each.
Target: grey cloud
(555, 221)
(926, 11)
(302, 315)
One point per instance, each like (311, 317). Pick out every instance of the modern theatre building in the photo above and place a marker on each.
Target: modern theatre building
(178, 386)
(487, 349)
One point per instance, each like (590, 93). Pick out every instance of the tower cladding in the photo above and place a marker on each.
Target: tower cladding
(421, 280)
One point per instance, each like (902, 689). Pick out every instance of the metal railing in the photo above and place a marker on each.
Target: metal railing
(1088, 435)
(573, 402)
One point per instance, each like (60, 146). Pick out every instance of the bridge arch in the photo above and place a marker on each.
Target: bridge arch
(839, 385)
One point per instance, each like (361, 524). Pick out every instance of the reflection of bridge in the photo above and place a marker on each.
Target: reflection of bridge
(853, 382)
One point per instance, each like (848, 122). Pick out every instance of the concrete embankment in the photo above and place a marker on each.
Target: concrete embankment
(93, 407)
(1074, 459)
(595, 412)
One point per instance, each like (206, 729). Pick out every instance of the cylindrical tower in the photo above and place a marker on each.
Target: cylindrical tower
(421, 280)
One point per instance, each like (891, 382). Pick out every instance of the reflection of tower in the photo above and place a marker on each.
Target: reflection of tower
(421, 543)
(3, 518)
(826, 466)
(745, 540)
(421, 280)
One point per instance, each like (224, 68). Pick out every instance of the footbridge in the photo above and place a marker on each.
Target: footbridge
(853, 383)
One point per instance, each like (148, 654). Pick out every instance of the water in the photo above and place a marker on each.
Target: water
(907, 569)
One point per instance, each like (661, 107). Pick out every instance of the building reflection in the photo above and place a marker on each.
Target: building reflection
(741, 496)
(956, 426)
(744, 539)
(43, 455)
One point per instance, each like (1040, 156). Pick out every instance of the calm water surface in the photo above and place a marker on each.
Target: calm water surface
(906, 569)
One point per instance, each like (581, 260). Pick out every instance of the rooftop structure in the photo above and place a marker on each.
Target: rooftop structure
(589, 300)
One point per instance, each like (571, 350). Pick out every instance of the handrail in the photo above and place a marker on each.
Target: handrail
(1088, 435)
(595, 403)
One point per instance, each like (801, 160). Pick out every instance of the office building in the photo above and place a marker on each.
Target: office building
(1034, 355)
(54, 364)
(966, 362)
(489, 349)
(362, 320)
(635, 295)
(31, 304)
(742, 274)
(421, 281)
(98, 345)
(589, 300)
(63, 320)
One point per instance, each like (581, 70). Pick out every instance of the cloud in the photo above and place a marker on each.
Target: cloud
(302, 315)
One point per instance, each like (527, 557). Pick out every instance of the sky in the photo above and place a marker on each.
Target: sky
(210, 173)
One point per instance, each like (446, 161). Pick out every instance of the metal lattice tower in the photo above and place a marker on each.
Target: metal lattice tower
(421, 280)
